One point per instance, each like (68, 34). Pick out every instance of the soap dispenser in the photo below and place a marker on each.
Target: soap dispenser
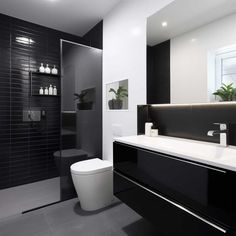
(50, 91)
(46, 91)
(154, 130)
(54, 70)
(148, 127)
(47, 70)
(41, 68)
(54, 90)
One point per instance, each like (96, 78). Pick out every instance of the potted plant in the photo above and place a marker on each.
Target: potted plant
(117, 103)
(82, 104)
(227, 92)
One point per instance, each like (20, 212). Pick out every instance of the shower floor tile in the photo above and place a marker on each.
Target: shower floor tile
(68, 219)
(18, 199)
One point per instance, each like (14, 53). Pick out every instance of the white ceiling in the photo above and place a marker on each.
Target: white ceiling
(186, 15)
(72, 16)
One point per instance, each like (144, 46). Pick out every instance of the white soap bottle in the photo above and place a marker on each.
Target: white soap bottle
(47, 70)
(41, 91)
(54, 90)
(46, 91)
(154, 132)
(50, 91)
(54, 70)
(148, 127)
(41, 68)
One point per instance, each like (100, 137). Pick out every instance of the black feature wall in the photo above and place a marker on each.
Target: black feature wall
(190, 121)
(158, 73)
(27, 147)
(94, 36)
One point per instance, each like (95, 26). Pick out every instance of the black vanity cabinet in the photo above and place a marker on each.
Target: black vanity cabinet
(181, 197)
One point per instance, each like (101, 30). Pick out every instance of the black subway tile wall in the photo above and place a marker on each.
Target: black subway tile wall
(27, 147)
(190, 121)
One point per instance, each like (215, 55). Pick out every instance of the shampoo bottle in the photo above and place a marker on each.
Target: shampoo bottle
(46, 91)
(41, 91)
(54, 90)
(41, 68)
(47, 70)
(54, 70)
(50, 90)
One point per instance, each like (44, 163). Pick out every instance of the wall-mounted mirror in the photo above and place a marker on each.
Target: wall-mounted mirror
(117, 95)
(191, 52)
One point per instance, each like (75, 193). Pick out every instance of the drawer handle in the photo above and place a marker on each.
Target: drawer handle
(175, 204)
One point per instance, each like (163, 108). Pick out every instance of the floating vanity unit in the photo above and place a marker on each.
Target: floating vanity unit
(184, 187)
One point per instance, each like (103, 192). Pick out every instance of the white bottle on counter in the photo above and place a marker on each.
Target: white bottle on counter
(54, 90)
(41, 68)
(50, 90)
(154, 132)
(47, 70)
(41, 91)
(148, 127)
(46, 91)
(54, 70)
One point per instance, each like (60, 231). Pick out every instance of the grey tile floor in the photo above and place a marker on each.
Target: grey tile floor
(15, 200)
(67, 219)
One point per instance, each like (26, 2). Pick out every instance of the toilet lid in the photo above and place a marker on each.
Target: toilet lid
(91, 166)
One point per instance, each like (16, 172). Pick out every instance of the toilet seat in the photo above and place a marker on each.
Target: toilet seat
(89, 167)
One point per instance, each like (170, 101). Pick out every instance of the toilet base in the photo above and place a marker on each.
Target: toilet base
(94, 192)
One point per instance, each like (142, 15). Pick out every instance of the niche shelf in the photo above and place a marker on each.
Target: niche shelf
(44, 74)
(38, 79)
(43, 95)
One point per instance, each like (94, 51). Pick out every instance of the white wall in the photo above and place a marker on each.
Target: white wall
(124, 57)
(189, 60)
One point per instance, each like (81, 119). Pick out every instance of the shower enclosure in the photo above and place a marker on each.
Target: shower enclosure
(42, 135)
(81, 109)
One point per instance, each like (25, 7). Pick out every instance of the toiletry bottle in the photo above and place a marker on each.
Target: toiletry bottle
(50, 91)
(41, 68)
(54, 90)
(148, 126)
(46, 91)
(54, 70)
(41, 91)
(154, 130)
(47, 70)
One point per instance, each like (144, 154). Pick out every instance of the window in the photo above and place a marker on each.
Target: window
(226, 67)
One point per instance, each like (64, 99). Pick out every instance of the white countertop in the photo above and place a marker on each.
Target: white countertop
(204, 152)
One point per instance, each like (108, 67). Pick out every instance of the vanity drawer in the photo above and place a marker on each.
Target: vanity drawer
(206, 190)
(169, 217)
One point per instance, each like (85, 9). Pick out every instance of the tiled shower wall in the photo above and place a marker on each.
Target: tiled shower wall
(26, 148)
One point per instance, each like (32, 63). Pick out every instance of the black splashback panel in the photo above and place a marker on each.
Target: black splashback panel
(27, 148)
(189, 121)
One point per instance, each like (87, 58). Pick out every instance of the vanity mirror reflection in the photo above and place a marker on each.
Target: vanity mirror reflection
(191, 52)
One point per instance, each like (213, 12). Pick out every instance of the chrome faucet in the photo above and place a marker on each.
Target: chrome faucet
(223, 132)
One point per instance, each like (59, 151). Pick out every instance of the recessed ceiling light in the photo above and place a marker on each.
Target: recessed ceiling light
(193, 40)
(164, 24)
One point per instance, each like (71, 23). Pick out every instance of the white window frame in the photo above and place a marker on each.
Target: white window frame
(220, 56)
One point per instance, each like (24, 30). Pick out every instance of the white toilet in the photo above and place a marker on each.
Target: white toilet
(93, 181)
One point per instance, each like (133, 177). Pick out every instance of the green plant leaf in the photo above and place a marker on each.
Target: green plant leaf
(227, 92)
